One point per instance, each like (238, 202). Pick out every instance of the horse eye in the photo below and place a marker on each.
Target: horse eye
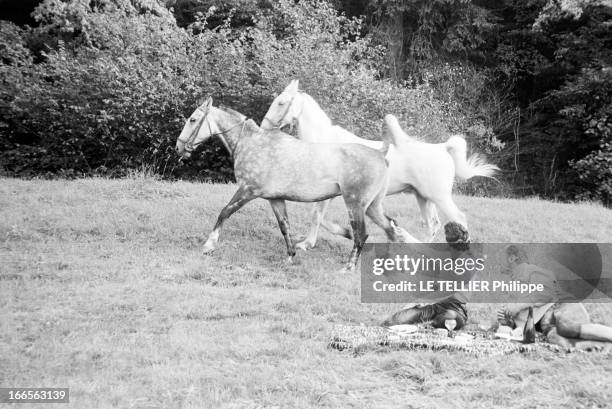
(281, 103)
(192, 119)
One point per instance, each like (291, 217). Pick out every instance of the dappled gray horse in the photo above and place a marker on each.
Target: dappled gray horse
(277, 167)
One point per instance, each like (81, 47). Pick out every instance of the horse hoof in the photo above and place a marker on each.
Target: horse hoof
(208, 249)
(349, 269)
(293, 260)
(304, 245)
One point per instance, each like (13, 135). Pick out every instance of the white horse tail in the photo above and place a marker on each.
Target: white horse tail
(475, 165)
(384, 149)
(393, 131)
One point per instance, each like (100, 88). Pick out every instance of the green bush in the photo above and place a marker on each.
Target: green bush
(313, 47)
(112, 86)
(593, 116)
(119, 103)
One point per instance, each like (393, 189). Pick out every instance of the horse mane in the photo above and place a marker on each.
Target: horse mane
(248, 121)
(253, 125)
(317, 108)
(232, 112)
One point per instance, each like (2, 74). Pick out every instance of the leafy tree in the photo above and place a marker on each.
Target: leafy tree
(113, 82)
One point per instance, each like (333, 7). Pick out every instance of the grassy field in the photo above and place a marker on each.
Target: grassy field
(103, 289)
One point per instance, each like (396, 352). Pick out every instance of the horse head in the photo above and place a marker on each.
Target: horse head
(195, 132)
(285, 109)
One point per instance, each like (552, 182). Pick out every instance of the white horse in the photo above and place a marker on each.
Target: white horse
(275, 166)
(428, 170)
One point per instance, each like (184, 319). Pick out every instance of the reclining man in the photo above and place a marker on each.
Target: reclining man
(566, 324)
(450, 308)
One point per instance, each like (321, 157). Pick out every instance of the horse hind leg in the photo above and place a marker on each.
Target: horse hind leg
(241, 197)
(456, 220)
(357, 218)
(429, 213)
(337, 229)
(280, 211)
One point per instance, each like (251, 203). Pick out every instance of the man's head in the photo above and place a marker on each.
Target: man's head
(457, 236)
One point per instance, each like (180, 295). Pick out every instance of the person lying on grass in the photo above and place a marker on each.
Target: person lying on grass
(566, 324)
(449, 308)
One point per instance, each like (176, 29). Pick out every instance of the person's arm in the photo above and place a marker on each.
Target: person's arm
(515, 315)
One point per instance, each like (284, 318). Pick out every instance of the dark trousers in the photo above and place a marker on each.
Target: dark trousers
(448, 309)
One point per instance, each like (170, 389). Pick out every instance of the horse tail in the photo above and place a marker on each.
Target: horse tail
(388, 139)
(475, 165)
(384, 149)
(393, 132)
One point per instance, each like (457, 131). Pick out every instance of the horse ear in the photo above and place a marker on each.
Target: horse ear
(293, 86)
(206, 104)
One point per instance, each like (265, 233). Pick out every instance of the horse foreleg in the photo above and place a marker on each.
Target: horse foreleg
(242, 196)
(393, 231)
(280, 211)
(318, 212)
(318, 219)
(429, 213)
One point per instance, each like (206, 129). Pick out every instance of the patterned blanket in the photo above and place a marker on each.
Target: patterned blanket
(359, 339)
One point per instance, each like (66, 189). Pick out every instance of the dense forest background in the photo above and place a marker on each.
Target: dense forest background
(103, 87)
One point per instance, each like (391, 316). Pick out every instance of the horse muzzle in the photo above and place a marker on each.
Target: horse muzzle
(182, 150)
(275, 124)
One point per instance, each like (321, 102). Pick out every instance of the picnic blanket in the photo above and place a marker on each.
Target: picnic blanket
(360, 338)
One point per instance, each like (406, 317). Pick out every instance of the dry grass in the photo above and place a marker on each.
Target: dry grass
(104, 290)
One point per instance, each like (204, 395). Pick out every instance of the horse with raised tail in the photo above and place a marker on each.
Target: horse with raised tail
(425, 169)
